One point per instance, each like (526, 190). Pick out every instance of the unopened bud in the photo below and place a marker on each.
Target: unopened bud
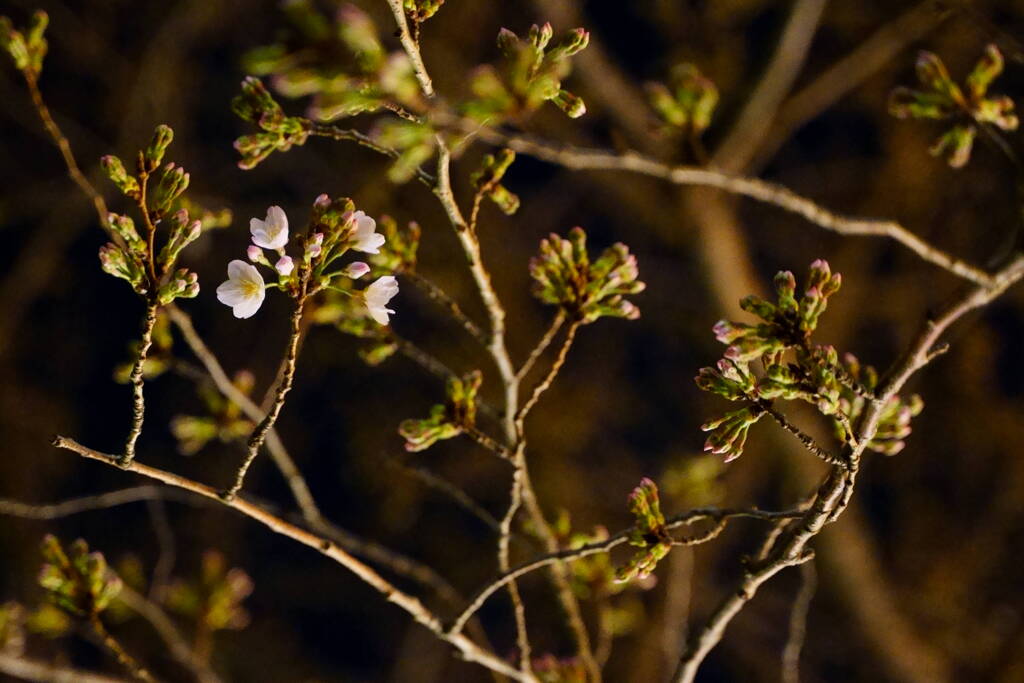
(162, 138)
(119, 176)
(285, 265)
(356, 270)
(572, 105)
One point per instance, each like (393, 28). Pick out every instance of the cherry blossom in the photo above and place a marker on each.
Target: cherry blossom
(244, 289)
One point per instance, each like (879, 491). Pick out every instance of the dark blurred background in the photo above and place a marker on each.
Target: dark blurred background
(919, 581)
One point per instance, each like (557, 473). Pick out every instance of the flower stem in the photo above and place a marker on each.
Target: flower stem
(263, 428)
(111, 643)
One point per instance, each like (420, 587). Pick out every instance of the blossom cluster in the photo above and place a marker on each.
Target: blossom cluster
(792, 368)
(335, 228)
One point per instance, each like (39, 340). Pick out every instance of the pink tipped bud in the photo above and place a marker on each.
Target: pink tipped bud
(285, 265)
(254, 253)
(315, 245)
(356, 270)
(322, 202)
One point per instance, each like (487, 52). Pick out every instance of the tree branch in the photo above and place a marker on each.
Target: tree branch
(412, 605)
(168, 632)
(798, 624)
(837, 487)
(718, 515)
(577, 158)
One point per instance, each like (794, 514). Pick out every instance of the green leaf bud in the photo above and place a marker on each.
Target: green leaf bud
(162, 137)
(115, 170)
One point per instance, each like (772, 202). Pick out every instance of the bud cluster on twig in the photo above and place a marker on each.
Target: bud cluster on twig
(969, 107)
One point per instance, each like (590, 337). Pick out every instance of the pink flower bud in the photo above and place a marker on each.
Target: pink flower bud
(315, 245)
(356, 270)
(285, 265)
(254, 253)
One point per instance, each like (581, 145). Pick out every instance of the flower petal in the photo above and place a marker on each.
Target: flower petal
(248, 307)
(240, 270)
(230, 293)
(277, 218)
(380, 314)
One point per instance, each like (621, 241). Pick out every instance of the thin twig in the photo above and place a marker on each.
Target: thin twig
(441, 298)
(572, 554)
(69, 158)
(549, 379)
(577, 158)
(412, 605)
(168, 632)
(102, 501)
(326, 130)
(259, 434)
(399, 564)
(523, 493)
(449, 489)
(137, 381)
(504, 541)
(35, 670)
(149, 223)
(164, 565)
(114, 645)
(806, 439)
(488, 442)
(542, 345)
(798, 624)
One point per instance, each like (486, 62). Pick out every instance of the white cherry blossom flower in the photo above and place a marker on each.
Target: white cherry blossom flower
(377, 296)
(271, 233)
(244, 289)
(364, 238)
(285, 265)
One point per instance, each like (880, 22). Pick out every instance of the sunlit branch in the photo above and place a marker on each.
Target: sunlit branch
(412, 605)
